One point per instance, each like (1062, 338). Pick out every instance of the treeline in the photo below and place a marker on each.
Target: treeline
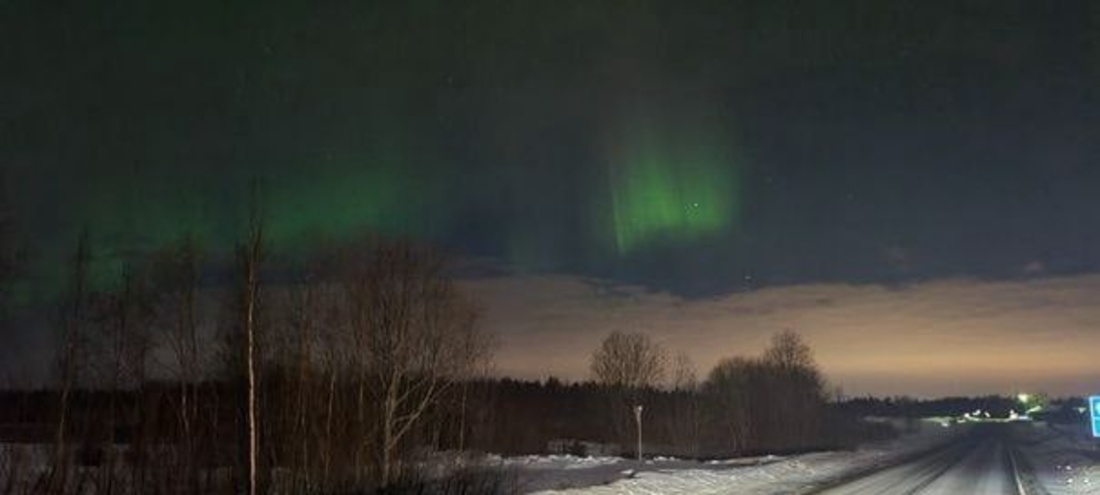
(497, 415)
(908, 407)
(342, 371)
(698, 421)
(771, 403)
(1037, 406)
(167, 382)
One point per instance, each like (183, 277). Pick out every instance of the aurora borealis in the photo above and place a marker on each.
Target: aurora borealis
(658, 192)
(690, 151)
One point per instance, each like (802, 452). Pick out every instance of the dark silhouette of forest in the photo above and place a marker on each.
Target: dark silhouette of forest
(344, 370)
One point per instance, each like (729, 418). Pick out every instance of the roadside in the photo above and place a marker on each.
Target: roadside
(1061, 459)
(757, 475)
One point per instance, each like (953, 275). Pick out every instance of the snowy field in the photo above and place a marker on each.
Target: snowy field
(759, 475)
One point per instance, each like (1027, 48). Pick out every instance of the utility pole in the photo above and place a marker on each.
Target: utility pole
(638, 421)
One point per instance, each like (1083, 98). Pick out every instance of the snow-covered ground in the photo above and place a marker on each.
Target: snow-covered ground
(759, 475)
(1065, 459)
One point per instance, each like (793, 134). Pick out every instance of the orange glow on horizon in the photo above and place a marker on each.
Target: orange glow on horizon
(944, 337)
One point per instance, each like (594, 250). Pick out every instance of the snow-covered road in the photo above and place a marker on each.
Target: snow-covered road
(977, 463)
(749, 476)
(961, 459)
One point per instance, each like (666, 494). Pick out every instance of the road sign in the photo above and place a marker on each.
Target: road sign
(1094, 413)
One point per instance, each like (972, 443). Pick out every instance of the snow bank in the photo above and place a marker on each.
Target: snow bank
(1064, 459)
(755, 475)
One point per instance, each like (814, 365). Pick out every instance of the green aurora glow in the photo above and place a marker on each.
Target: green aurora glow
(349, 196)
(377, 196)
(671, 194)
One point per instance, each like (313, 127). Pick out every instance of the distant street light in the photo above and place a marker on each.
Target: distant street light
(638, 421)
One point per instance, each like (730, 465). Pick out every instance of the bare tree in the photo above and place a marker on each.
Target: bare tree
(249, 257)
(630, 363)
(73, 319)
(797, 388)
(176, 277)
(292, 347)
(732, 388)
(775, 401)
(133, 320)
(628, 360)
(119, 345)
(788, 350)
(685, 420)
(417, 334)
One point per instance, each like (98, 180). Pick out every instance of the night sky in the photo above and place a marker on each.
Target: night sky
(896, 180)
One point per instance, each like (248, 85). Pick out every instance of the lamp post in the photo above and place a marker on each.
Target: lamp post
(638, 421)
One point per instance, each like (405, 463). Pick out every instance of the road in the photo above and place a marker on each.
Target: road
(979, 462)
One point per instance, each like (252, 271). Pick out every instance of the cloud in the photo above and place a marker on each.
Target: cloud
(952, 336)
(1034, 268)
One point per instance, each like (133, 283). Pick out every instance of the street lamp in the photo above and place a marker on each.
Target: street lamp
(638, 421)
